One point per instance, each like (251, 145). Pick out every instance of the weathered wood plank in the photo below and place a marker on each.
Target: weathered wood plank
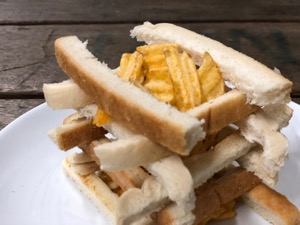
(90, 11)
(13, 108)
(27, 55)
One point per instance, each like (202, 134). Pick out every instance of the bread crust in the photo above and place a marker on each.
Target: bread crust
(272, 205)
(77, 133)
(126, 179)
(226, 109)
(178, 136)
(213, 194)
(261, 84)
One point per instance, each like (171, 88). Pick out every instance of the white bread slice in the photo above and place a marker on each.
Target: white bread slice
(226, 109)
(55, 95)
(281, 113)
(125, 179)
(212, 112)
(204, 166)
(95, 189)
(259, 128)
(99, 193)
(136, 203)
(170, 180)
(177, 180)
(129, 153)
(80, 158)
(254, 162)
(216, 192)
(262, 127)
(261, 85)
(153, 194)
(272, 206)
(140, 110)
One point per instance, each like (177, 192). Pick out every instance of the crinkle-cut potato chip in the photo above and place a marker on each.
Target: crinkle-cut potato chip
(170, 75)
(210, 79)
(158, 49)
(183, 90)
(101, 118)
(157, 77)
(190, 70)
(155, 62)
(158, 82)
(124, 63)
(131, 67)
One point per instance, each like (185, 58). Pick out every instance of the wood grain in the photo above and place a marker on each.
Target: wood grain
(125, 11)
(27, 60)
(10, 109)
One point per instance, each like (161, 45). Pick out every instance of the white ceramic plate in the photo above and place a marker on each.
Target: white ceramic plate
(34, 190)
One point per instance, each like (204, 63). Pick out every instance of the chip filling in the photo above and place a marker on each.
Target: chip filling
(168, 73)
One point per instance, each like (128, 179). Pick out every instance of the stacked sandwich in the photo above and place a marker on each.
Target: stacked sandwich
(177, 134)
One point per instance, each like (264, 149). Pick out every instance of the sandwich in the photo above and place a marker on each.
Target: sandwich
(164, 132)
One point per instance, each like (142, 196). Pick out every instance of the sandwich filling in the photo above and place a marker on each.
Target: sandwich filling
(169, 74)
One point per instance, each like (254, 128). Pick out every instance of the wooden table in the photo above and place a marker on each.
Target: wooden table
(266, 30)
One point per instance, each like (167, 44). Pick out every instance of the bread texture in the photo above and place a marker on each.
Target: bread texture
(55, 95)
(95, 189)
(98, 192)
(211, 196)
(226, 109)
(261, 85)
(75, 133)
(204, 166)
(129, 153)
(272, 206)
(262, 127)
(140, 110)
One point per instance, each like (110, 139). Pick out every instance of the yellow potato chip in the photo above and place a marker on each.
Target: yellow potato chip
(191, 71)
(157, 77)
(155, 62)
(183, 90)
(124, 64)
(158, 82)
(157, 49)
(131, 67)
(210, 79)
(170, 75)
(101, 118)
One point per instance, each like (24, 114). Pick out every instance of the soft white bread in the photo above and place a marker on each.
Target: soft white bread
(170, 180)
(176, 178)
(204, 166)
(140, 110)
(211, 196)
(129, 153)
(136, 203)
(93, 187)
(212, 112)
(272, 206)
(254, 161)
(263, 127)
(261, 85)
(125, 179)
(226, 109)
(65, 95)
(201, 166)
